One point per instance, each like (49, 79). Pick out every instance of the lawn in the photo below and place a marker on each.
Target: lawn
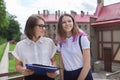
(12, 46)
(12, 65)
(12, 60)
(2, 48)
(57, 59)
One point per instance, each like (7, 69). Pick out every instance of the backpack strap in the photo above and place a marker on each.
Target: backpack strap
(82, 51)
(80, 44)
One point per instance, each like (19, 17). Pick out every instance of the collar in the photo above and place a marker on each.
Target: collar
(29, 41)
(69, 38)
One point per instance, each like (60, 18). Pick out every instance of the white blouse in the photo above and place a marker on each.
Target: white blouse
(71, 52)
(39, 52)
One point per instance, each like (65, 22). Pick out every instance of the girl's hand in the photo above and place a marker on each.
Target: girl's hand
(52, 74)
(27, 72)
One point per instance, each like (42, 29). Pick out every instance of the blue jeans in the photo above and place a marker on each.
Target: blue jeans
(73, 75)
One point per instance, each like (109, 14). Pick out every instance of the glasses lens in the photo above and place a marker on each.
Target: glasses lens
(41, 25)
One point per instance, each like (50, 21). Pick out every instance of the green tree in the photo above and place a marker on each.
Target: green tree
(3, 19)
(13, 29)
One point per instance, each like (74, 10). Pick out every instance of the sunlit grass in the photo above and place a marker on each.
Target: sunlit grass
(11, 60)
(12, 65)
(2, 48)
(57, 59)
(12, 46)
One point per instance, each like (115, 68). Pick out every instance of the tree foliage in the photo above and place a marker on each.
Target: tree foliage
(9, 27)
(3, 17)
(3, 22)
(13, 29)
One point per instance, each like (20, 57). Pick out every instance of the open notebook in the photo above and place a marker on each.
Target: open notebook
(41, 69)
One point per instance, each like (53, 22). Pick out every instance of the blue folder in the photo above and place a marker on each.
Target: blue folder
(41, 69)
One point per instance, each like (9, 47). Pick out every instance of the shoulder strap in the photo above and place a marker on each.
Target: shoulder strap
(80, 44)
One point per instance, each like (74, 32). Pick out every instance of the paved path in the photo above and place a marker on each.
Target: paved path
(4, 63)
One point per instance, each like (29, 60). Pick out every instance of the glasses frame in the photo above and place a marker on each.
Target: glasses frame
(41, 26)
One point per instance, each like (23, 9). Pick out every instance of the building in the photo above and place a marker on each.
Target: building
(105, 33)
(82, 19)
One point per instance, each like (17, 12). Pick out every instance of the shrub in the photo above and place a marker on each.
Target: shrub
(2, 40)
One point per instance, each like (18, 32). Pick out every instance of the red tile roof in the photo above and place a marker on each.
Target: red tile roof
(107, 22)
(52, 18)
(108, 14)
(85, 18)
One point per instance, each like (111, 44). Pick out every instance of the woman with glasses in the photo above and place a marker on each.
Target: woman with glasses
(35, 49)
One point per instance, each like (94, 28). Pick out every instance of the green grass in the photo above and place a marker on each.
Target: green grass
(12, 60)
(12, 65)
(12, 46)
(57, 59)
(2, 48)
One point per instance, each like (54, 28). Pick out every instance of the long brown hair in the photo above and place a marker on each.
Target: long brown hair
(30, 24)
(61, 33)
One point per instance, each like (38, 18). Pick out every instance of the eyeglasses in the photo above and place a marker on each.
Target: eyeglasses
(42, 26)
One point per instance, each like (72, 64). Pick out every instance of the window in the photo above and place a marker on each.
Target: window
(54, 27)
(54, 36)
(47, 27)
(85, 27)
(79, 26)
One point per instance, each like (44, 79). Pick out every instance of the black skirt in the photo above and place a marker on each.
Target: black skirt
(73, 75)
(37, 77)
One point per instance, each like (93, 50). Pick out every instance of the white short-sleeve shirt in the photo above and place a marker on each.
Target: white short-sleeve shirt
(71, 52)
(39, 52)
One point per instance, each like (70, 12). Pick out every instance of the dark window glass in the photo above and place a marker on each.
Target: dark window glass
(47, 27)
(54, 27)
(54, 35)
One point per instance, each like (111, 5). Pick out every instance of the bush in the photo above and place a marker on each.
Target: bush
(2, 40)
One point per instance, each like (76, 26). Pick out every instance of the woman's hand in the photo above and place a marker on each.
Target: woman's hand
(21, 69)
(27, 72)
(52, 74)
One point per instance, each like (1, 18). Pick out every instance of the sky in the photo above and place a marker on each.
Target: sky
(24, 8)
